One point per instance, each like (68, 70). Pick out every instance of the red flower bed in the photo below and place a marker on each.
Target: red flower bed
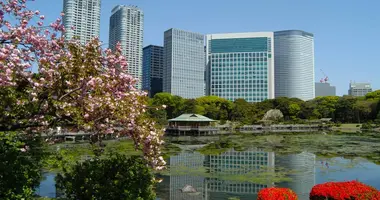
(352, 190)
(276, 194)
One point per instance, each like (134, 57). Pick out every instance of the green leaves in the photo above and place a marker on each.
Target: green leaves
(115, 178)
(20, 165)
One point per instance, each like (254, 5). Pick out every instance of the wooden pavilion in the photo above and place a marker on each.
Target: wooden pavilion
(191, 124)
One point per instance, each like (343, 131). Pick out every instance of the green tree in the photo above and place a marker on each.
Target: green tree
(115, 178)
(215, 107)
(365, 110)
(373, 95)
(326, 106)
(282, 103)
(20, 165)
(261, 108)
(345, 109)
(174, 104)
(240, 111)
(294, 110)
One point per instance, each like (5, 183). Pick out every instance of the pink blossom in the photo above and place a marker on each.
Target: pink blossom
(100, 88)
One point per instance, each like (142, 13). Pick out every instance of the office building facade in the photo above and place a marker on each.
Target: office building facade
(153, 64)
(240, 65)
(294, 64)
(324, 89)
(127, 27)
(359, 89)
(81, 19)
(184, 63)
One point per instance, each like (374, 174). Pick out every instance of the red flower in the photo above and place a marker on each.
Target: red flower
(352, 190)
(277, 194)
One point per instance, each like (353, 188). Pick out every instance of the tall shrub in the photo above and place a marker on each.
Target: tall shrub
(20, 165)
(116, 178)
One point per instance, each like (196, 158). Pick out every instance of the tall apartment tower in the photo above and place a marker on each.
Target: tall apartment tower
(153, 64)
(240, 65)
(84, 17)
(184, 63)
(359, 89)
(126, 27)
(294, 64)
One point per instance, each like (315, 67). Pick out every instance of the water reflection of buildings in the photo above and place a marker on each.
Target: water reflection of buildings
(227, 164)
(226, 169)
(179, 164)
(233, 162)
(303, 172)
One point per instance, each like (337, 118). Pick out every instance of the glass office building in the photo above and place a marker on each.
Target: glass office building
(184, 63)
(240, 65)
(294, 64)
(126, 27)
(153, 64)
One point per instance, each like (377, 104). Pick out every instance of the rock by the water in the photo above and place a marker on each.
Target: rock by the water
(188, 189)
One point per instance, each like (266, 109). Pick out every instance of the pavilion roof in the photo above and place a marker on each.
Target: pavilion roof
(191, 118)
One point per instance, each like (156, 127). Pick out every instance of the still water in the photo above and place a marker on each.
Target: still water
(241, 174)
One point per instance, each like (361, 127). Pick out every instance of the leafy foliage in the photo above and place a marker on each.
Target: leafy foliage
(373, 95)
(346, 109)
(116, 178)
(20, 165)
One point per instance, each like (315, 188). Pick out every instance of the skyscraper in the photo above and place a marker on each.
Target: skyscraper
(240, 65)
(184, 63)
(294, 64)
(359, 89)
(84, 17)
(153, 61)
(126, 27)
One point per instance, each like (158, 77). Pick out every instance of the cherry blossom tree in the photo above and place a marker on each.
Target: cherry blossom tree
(79, 86)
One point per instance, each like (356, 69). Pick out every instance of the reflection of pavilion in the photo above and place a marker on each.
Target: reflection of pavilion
(185, 161)
(237, 163)
(303, 178)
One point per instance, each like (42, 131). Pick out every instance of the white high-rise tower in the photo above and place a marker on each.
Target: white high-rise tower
(294, 64)
(84, 17)
(126, 27)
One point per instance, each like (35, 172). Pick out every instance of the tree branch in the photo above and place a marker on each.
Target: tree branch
(72, 91)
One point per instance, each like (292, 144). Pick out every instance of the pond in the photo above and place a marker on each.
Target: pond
(237, 167)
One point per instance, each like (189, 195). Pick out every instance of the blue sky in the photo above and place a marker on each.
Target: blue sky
(347, 32)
